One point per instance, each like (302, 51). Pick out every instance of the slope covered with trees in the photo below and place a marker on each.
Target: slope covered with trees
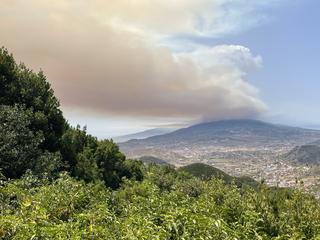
(205, 172)
(59, 182)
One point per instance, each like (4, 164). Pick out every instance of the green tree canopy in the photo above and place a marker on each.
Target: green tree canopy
(87, 158)
(18, 144)
(20, 85)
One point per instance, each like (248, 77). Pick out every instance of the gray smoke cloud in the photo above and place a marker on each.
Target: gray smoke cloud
(107, 57)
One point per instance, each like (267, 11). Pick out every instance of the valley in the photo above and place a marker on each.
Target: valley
(239, 148)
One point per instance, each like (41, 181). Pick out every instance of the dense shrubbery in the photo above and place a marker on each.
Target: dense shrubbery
(182, 208)
(20, 86)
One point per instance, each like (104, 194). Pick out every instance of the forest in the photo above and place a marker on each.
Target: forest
(59, 182)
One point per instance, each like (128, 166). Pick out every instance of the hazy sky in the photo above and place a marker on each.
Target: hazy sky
(123, 66)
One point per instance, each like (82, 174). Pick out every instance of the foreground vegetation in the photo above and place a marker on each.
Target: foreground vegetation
(167, 204)
(58, 182)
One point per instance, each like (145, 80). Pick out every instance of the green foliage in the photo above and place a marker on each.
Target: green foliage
(86, 167)
(206, 172)
(89, 159)
(19, 85)
(47, 165)
(163, 177)
(18, 144)
(132, 169)
(33, 208)
(31, 123)
(77, 149)
(110, 161)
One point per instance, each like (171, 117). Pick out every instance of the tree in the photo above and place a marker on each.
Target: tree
(18, 144)
(133, 169)
(86, 167)
(34, 134)
(89, 159)
(111, 162)
(19, 85)
(77, 149)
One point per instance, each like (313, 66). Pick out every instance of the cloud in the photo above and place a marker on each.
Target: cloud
(201, 17)
(107, 56)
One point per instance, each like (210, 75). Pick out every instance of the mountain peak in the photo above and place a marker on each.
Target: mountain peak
(235, 133)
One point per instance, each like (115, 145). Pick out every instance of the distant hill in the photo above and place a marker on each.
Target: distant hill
(317, 142)
(152, 159)
(226, 134)
(143, 134)
(205, 172)
(305, 154)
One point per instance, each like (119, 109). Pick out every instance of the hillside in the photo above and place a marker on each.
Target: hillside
(304, 154)
(152, 159)
(206, 172)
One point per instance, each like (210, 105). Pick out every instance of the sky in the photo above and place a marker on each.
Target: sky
(128, 65)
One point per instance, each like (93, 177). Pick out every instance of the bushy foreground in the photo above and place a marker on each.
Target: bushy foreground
(167, 204)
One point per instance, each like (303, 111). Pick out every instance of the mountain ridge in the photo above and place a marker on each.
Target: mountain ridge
(204, 138)
(230, 127)
(142, 135)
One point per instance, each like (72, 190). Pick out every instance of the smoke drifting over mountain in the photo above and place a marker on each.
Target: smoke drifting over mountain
(111, 57)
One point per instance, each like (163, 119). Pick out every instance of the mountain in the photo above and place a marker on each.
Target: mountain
(233, 133)
(191, 142)
(143, 134)
(204, 172)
